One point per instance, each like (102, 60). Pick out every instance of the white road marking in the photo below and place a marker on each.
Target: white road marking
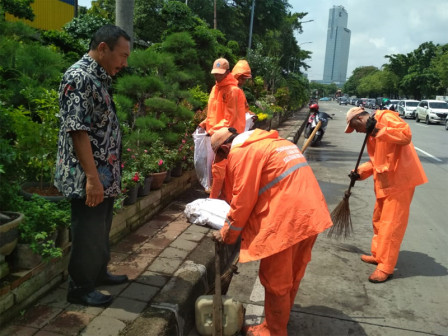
(427, 154)
(254, 313)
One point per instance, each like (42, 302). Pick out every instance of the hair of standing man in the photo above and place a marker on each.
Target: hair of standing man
(108, 34)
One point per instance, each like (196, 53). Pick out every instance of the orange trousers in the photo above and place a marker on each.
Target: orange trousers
(280, 274)
(390, 219)
(218, 177)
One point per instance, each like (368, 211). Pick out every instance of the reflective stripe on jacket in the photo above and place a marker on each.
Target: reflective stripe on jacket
(394, 162)
(276, 200)
(226, 106)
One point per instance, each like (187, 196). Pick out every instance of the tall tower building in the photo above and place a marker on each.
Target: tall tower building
(338, 46)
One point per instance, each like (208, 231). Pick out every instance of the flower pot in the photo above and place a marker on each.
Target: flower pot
(45, 190)
(131, 195)
(9, 235)
(157, 180)
(25, 258)
(177, 170)
(145, 188)
(168, 177)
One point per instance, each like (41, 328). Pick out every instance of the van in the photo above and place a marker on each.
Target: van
(431, 111)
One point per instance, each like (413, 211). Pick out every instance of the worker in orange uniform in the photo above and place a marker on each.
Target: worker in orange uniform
(226, 108)
(278, 209)
(396, 171)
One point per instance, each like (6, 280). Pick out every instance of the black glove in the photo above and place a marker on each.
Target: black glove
(354, 176)
(370, 124)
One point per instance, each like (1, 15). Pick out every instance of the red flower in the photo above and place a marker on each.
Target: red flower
(160, 162)
(136, 178)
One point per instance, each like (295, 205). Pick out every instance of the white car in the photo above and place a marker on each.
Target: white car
(406, 108)
(431, 111)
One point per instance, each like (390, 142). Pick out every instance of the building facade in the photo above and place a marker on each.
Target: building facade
(49, 14)
(338, 46)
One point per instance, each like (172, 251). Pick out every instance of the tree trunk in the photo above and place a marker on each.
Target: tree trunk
(124, 13)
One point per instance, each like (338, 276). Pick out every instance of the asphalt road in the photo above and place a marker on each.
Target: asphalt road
(335, 297)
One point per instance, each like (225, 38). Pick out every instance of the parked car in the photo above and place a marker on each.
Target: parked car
(406, 108)
(371, 103)
(325, 99)
(343, 101)
(353, 100)
(361, 102)
(431, 111)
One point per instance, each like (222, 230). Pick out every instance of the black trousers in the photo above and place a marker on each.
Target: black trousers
(90, 251)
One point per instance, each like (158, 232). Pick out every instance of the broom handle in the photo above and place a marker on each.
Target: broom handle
(310, 138)
(352, 183)
(217, 300)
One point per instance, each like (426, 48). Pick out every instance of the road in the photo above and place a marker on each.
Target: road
(335, 297)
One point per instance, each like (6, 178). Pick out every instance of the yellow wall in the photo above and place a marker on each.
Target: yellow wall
(49, 14)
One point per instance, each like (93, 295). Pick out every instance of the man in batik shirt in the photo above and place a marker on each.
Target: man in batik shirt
(88, 168)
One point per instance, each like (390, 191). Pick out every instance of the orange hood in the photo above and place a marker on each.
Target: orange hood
(241, 68)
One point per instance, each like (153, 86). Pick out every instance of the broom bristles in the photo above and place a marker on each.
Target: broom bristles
(342, 221)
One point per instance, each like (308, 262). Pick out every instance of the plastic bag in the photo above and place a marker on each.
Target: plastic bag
(249, 122)
(207, 211)
(203, 157)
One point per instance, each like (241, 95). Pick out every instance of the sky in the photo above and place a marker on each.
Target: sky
(378, 28)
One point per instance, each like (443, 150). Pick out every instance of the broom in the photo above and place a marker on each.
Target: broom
(342, 221)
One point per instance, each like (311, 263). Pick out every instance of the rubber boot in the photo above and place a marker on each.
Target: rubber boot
(276, 310)
(257, 330)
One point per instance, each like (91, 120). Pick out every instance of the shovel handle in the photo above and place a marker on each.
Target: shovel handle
(217, 300)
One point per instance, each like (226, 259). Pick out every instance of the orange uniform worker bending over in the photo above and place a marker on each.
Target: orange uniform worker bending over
(278, 209)
(396, 171)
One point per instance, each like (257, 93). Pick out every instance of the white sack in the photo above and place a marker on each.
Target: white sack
(203, 157)
(207, 211)
(249, 122)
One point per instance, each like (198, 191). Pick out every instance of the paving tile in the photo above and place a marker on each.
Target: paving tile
(47, 333)
(131, 243)
(17, 330)
(141, 292)
(183, 244)
(104, 326)
(158, 242)
(147, 230)
(169, 233)
(192, 235)
(152, 279)
(114, 290)
(93, 311)
(138, 260)
(38, 316)
(125, 309)
(69, 323)
(165, 266)
(174, 253)
(118, 256)
(56, 298)
(131, 271)
(199, 228)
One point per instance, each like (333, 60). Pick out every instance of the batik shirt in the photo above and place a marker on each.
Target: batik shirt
(86, 105)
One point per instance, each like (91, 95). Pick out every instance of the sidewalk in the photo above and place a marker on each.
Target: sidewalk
(169, 263)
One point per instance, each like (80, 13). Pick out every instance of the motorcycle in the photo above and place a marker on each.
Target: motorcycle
(314, 119)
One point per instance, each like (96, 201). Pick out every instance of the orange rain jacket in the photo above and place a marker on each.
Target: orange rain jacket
(276, 200)
(241, 68)
(226, 106)
(393, 160)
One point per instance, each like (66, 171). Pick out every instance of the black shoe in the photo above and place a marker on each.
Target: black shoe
(94, 298)
(110, 279)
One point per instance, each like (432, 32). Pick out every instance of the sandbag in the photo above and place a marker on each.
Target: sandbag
(207, 211)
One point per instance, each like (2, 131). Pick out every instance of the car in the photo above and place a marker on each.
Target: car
(406, 108)
(325, 99)
(343, 101)
(371, 103)
(392, 104)
(431, 111)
